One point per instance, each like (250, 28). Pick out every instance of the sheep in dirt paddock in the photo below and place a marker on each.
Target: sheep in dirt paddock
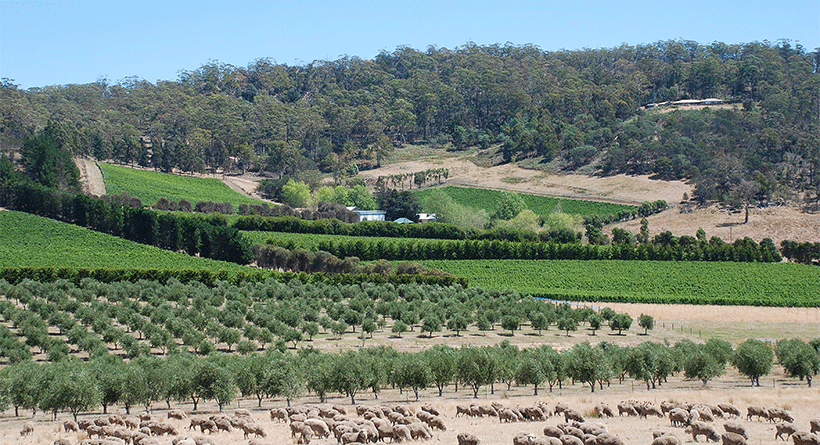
(666, 440)
(523, 439)
(734, 427)
(177, 414)
(784, 428)
(28, 428)
(758, 411)
(804, 438)
(729, 409)
(467, 439)
(698, 428)
(733, 439)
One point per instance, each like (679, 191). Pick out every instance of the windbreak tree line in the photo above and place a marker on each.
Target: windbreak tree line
(78, 386)
(663, 249)
(568, 106)
(205, 236)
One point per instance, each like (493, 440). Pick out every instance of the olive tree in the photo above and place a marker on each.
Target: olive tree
(754, 359)
(586, 364)
(646, 322)
(411, 371)
(798, 358)
(620, 323)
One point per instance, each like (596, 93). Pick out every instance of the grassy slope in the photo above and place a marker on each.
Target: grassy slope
(542, 205)
(655, 281)
(149, 186)
(29, 240)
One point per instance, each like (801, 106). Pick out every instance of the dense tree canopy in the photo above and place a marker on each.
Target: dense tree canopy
(570, 106)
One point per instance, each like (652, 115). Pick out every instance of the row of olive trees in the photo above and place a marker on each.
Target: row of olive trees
(77, 386)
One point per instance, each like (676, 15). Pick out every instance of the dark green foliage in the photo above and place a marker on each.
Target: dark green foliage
(798, 358)
(753, 358)
(49, 164)
(620, 323)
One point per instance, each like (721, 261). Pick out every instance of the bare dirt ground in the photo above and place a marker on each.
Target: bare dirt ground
(777, 223)
(91, 176)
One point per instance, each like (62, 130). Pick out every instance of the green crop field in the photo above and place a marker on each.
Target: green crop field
(29, 240)
(758, 284)
(311, 241)
(149, 186)
(478, 199)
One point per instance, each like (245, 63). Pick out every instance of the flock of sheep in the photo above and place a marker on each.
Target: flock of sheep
(372, 424)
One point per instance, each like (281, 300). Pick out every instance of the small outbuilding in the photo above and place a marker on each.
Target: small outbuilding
(426, 217)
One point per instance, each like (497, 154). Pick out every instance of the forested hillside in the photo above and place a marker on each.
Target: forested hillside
(568, 108)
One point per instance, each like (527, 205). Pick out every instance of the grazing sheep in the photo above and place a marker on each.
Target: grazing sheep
(28, 428)
(569, 439)
(572, 431)
(729, 409)
(401, 433)
(679, 417)
(560, 407)
(132, 422)
(603, 410)
(814, 425)
(162, 428)
(467, 439)
(666, 440)
(94, 430)
(625, 407)
(733, 439)
(508, 415)
(571, 414)
(177, 414)
(419, 430)
(102, 421)
(780, 413)
(523, 439)
(734, 427)
(667, 406)
(437, 423)
(256, 430)
(553, 431)
(759, 411)
(183, 441)
(208, 424)
(430, 409)
(319, 427)
(62, 441)
(145, 416)
(608, 439)
(547, 441)
(462, 409)
(647, 410)
(70, 425)
(698, 428)
(784, 428)
(804, 438)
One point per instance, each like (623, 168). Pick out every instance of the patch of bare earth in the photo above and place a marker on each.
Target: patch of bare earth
(90, 176)
(777, 223)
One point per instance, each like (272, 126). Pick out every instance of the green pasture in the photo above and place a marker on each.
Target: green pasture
(726, 283)
(149, 186)
(33, 241)
(478, 199)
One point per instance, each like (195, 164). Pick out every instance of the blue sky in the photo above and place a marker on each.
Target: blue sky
(61, 42)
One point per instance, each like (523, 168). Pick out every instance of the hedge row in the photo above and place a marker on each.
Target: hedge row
(745, 250)
(16, 275)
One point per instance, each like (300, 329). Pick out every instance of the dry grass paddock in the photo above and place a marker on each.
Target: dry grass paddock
(801, 402)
